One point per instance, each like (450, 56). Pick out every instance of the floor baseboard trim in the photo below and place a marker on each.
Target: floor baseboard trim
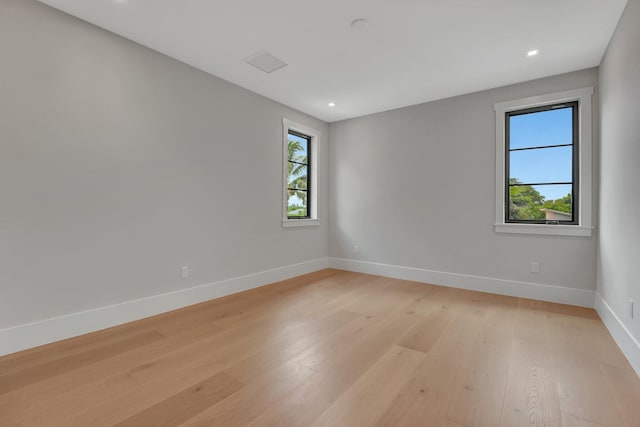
(46, 331)
(629, 346)
(550, 293)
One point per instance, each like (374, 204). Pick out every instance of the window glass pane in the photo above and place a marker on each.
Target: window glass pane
(297, 176)
(542, 165)
(298, 148)
(552, 127)
(297, 206)
(540, 202)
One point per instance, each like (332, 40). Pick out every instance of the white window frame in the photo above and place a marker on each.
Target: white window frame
(289, 125)
(585, 185)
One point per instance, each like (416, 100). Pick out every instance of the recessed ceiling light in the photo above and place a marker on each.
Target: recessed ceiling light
(533, 52)
(359, 24)
(332, 104)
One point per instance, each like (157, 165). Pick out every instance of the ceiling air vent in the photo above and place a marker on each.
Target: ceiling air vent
(265, 61)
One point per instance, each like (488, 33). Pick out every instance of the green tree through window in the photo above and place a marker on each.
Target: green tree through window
(527, 203)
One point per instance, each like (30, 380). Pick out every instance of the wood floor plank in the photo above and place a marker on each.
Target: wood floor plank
(573, 421)
(63, 349)
(531, 397)
(303, 405)
(439, 298)
(623, 386)
(423, 400)
(356, 288)
(183, 405)
(479, 393)
(55, 367)
(531, 323)
(183, 368)
(423, 335)
(498, 327)
(290, 345)
(296, 302)
(247, 404)
(59, 397)
(460, 336)
(581, 390)
(360, 346)
(305, 280)
(300, 304)
(325, 348)
(364, 402)
(585, 337)
(337, 371)
(385, 299)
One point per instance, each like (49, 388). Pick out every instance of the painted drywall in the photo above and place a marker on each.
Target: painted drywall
(619, 238)
(415, 187)
(119, 165)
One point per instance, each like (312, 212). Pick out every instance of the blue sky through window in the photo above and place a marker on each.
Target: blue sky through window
(553, 127)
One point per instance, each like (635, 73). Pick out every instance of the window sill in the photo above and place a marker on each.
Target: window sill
(287, 223)
(544, 229)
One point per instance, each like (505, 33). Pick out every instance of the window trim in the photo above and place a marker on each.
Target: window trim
(584, 179)
(312, 197)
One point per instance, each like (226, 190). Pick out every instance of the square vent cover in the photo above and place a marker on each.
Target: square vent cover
(265, 61)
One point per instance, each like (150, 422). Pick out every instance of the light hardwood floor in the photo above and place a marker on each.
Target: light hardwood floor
(335, 349)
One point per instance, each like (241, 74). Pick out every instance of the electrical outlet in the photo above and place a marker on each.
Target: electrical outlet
(184, 272)
(535, 267)
(356, 249)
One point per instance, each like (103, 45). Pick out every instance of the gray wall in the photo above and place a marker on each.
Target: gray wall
(415, 187)
(118, 165)
(619, 245)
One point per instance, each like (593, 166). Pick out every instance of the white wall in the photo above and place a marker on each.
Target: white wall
(619, 240)
(118, 165)
(415, 187)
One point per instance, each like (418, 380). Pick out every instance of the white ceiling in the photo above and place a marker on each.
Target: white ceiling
(413, 50)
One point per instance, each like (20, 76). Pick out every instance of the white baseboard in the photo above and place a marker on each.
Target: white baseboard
(559, 294)
(628, 344)
(29, 335)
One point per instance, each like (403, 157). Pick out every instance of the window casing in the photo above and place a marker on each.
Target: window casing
(300, 189)
(577, 179)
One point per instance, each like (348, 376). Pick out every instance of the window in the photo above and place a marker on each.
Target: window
(299, 175)
(541, 164)
(298, 162)
(543, 158)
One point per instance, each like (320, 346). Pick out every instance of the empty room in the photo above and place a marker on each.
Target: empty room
(341, 213)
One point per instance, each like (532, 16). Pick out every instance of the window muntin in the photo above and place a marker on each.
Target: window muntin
(541, 164)
(298, 177)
